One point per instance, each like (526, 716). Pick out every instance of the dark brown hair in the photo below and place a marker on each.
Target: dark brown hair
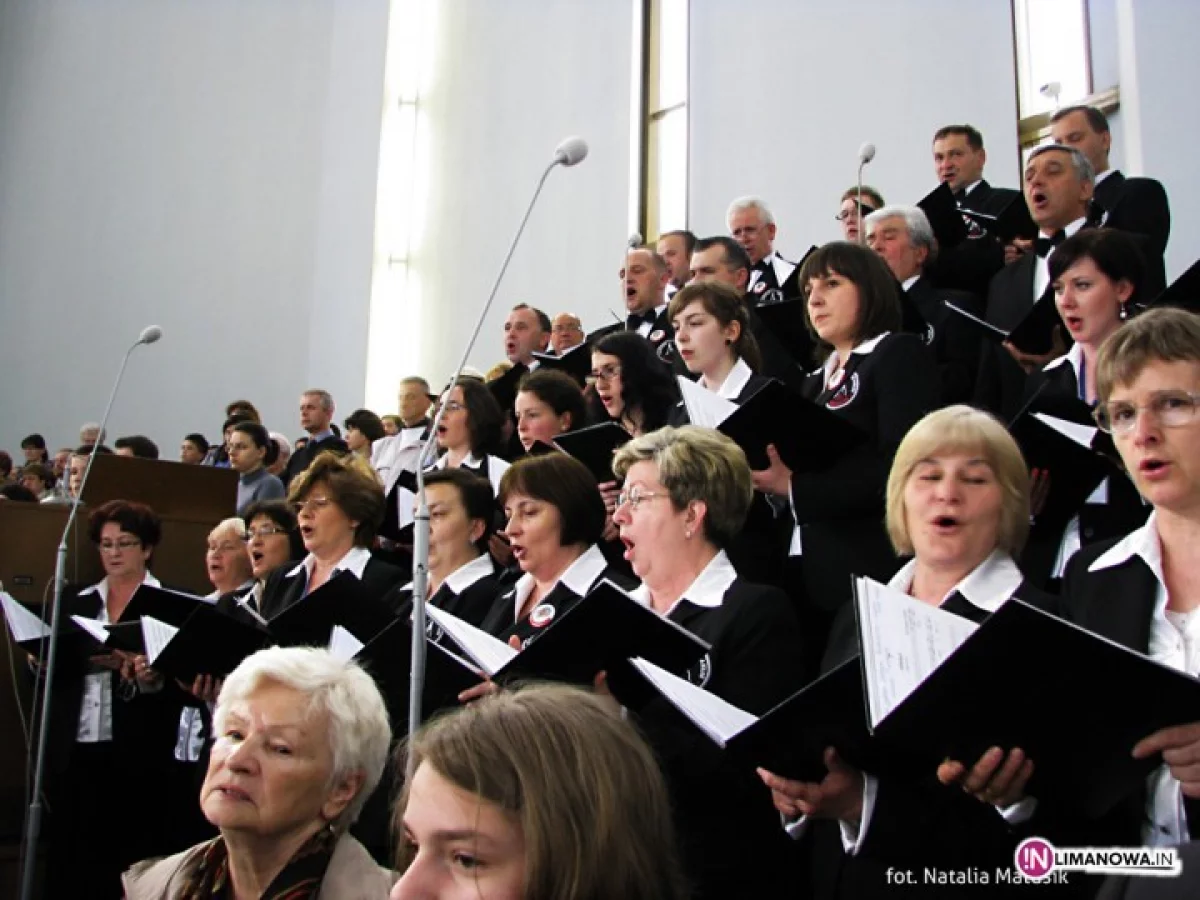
(878, 293)
(567, 485)
(353, 486)
(725, 305)
(136, 518)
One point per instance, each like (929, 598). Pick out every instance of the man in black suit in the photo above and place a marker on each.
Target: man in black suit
(753, 226)
(904, 238)
(958, 161)
(1058, 189)
(646, 277)
(1130, 204)
(316, 414)
(723, 259)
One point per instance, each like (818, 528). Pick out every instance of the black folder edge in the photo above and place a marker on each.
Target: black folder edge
(683, 650)
(606, 436)
(1096, 464)
(1030, 336)
(237, 637)
(164, 604)
(944, 215)
(832, 437)
(1070, 785)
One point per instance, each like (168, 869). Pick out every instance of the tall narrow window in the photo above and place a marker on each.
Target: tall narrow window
(665, 157)
(393, 342)
(1054, 63)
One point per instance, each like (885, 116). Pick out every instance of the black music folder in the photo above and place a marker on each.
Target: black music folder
(944, 216)
(208, 642)
(505, 388)
(1066, 450)
(790, 739)
(603, 630)
(807, 436)
(342, 600)
(1014, 221)
(1034, 334)
(595, 446)
(576, 362)
(1183, 292)
(96, 637)
(1075, 702)
(164, 604)
(387, 657)
(787, 325)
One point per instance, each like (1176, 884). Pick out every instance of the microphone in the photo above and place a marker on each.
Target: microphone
(866, 153)
(569, 153)
(635, 240)
(33, 820)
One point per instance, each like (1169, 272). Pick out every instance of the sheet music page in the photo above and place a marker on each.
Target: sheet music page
(489, 654)
(716, 718)
(903, 641)
(1080, 434)
(24, 625)
(704, 407)
(156, 635)
(92, 627)
(343, 645)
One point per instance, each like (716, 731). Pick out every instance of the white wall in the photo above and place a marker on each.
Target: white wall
(783, 93)
(206, 165)
(514, 79)
(1159, 71)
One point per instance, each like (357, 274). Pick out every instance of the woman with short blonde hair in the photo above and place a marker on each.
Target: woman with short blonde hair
(561, 797)
(958, 502)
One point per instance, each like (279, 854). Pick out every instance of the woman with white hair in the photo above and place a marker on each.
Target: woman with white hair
(302, 739)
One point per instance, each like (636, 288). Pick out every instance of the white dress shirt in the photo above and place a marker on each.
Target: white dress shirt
(1174, 642)
(579, 577)
(708, 590)
(1041, 269)
(95, 710)
(735, 382)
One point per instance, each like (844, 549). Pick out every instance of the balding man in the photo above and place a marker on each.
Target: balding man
(1129, 204)
(645, 279)
(753, 226)
(316, 418)
(566, 333)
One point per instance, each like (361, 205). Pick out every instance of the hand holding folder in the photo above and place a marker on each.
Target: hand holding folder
(605, 628)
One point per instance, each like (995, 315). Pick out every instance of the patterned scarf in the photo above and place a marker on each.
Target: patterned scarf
(208, 878)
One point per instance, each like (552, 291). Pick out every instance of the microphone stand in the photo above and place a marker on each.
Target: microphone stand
(420, 580)
(33, 816)
(862, 229)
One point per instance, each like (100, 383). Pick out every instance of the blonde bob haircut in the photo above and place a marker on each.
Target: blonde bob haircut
(341, 693)
(697, 465)
(962, 429)
(581, 782)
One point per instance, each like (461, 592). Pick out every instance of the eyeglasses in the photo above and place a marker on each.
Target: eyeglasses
(119, 546)
(1170, 409)
(605, 373)
(635, 496)
(452, 406)
(265, 532)
(864, 210)
(313, 504)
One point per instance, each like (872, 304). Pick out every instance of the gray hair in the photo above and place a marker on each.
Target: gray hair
(325, 397)
(358, 729)
(233, 524)
(1083, 168)
(920, 232)
(91, 426)
(742, 204)
(284, 445)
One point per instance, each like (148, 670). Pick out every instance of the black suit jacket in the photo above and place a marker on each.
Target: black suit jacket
(1136, 204)
(302, 458)
(732, 843)
(956, 345)
(1010, 292)
(1049, 390)
(380, 579)
(661, 337)
(969, 265)
(840, 509)
(917, 824)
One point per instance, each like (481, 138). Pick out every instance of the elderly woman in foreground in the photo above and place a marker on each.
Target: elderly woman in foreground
(302, 740)
(540, 793)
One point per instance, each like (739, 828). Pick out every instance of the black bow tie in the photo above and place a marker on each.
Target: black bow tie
(1044, 245)
(635, 320)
